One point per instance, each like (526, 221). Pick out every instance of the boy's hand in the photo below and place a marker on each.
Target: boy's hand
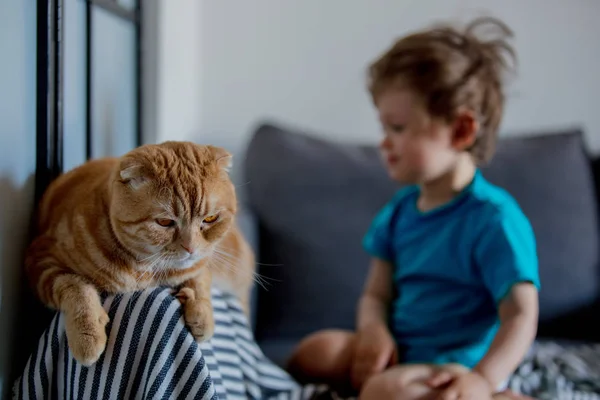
(375, 350)
(470, 385)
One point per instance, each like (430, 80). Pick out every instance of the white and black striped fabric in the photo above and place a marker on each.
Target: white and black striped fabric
(151, 355)
(560, 371)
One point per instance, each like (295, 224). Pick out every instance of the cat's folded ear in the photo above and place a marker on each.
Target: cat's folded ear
(222, 157)
(133, 172)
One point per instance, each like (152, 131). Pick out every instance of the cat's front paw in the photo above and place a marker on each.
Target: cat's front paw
(198, 314)
(86, 334)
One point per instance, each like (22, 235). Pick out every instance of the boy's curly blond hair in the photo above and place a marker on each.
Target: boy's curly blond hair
(452, 69)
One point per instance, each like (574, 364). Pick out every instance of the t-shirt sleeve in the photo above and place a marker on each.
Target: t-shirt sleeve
(378, 239)
(506, 253)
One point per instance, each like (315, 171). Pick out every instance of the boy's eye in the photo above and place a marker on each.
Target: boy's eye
(210, 219)
(397, 128)
(165, 222)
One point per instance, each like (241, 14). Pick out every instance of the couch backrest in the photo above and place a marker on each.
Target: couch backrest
(315, 199)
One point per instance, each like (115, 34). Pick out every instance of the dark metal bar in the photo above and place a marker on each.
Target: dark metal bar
(88, 81)
(49, 136)
(58, 89)
(116, 9)
(139, 73)
(42, 141)
(49, 156)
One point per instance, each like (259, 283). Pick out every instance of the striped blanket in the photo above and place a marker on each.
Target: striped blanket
(560, 371)
(151, 355)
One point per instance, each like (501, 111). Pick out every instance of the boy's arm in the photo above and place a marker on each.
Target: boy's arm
(507, 257)
(518, 327)
(377, 294)
(374, 347)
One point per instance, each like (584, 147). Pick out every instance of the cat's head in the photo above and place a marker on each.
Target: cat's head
(171, 203)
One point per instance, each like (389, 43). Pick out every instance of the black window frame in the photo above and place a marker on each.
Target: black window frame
(50, 82)
(33, 318)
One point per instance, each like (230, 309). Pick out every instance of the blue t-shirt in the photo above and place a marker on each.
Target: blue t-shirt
(451, 268)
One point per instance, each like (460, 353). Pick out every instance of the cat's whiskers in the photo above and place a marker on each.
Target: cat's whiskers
(138, 280)
(225, 255)
(147, 258)
(152, 261)
(163, 271)
(220, 263)
(154, 272)
(221, 250)
(157, 258)
(232, 260)
(223, 262)
(146, 270)
(228, 264)
(160, 273)
(242, 184)
(258, 279)
(261, 280)
(236, 259)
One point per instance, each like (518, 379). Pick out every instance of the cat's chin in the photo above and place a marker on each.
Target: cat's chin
(186, 262)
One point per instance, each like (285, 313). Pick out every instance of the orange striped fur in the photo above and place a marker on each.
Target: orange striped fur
(160, 215)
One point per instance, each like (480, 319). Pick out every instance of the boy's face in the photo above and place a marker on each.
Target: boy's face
(416, 148)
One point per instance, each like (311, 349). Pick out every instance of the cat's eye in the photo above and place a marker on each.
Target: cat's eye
(165, 222)
(210, 219)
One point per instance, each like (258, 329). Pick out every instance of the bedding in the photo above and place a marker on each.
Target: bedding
(151, 355)
(550, 371)
(560, 371)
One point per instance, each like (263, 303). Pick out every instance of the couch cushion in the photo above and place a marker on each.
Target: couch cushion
(315, 199)
(551, 178)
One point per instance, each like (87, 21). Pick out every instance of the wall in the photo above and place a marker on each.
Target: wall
(229, 64)
(17, 160)
(150, 65)
(179, 68)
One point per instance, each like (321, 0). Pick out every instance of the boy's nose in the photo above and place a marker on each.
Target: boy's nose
(386, 143)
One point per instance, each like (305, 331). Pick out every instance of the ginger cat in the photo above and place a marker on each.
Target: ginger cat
(160, 215)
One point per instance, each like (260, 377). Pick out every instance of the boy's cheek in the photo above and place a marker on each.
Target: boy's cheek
(415, 161)
(403, 173)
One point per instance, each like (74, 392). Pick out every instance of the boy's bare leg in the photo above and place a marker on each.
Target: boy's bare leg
(508, 395)
(408, 382)
(325, 356)
(400, 382)
(405, 382)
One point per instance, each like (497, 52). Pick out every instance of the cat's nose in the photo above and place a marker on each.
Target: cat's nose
(187, 247)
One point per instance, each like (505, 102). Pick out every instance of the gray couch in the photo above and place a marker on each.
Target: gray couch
(312, 201)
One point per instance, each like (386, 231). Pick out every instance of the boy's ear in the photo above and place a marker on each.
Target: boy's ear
(466, 127)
